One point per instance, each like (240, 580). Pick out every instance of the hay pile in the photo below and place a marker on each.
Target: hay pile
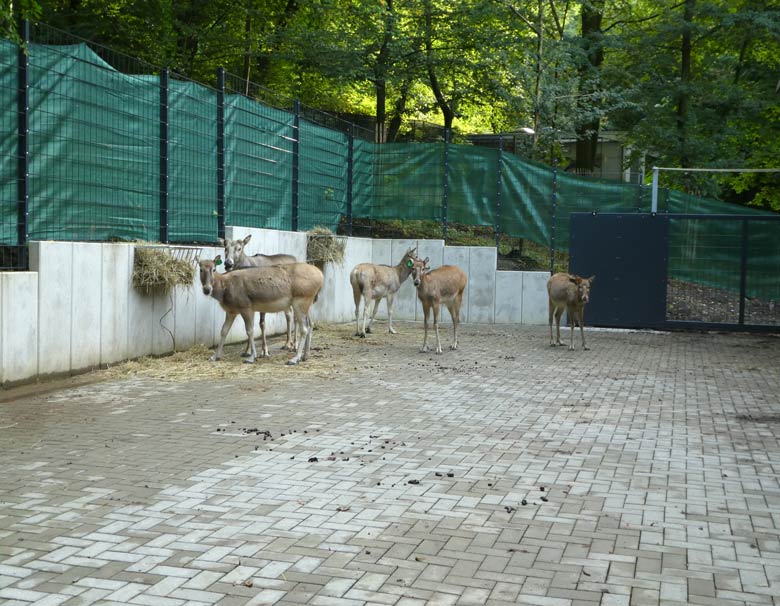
(156, 271)
(323, 246)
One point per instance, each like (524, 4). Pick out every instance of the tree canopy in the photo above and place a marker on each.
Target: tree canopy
(688, 83)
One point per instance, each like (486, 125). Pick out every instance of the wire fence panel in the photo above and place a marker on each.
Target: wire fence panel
(93, 142)
(192, 167)
(258, 164)
(527, 209)
(323, 187)
(8, 148)
(473, 185)
(409, 181)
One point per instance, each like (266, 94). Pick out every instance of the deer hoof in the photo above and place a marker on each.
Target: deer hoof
(423, 350)
(393, 331)
(245, 354)
(249, 361)
(368, 329)
(292, 362)
(454, 347)
(214, 359)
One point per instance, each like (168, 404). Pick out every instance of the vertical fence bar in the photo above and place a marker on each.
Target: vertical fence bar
(445, 193)
(654, 197)
(743, 271)
(350, 174)
(296, 150)
(220, 152)
(498, 191)
(554, 218)
(164, 79)
(22, 143)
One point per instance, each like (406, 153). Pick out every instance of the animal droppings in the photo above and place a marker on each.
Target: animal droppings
(524, 502)
(414, 481)
(313, 459)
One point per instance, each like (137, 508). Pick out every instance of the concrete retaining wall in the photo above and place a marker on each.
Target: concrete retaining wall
(77, 309)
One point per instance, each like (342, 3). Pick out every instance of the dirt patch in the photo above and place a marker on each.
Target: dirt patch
(688, 301)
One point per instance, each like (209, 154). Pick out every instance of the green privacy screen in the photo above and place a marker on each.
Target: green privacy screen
(100, 151)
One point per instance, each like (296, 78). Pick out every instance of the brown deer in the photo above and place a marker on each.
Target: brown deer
(569, 292)
(372, 282)
(267, 290)
(236, 258)
(443, 285)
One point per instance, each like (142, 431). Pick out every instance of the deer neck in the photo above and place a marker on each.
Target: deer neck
(218, 288)
(403, 271)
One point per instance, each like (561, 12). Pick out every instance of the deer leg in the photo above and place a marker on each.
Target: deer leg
(558, 315)
(581, 317)
(245, 353)
(288, 316)
(309, 330)
(436, 310)
(572, 323)
(373, 313)
(303, 336)
(367, 298)
(264, 344)
(229, 317)
(357, 297)
(426, 309)
(249, 325)
(550, 314)
(390, 314)
(454, 310)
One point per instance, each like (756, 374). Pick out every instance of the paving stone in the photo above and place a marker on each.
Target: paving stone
(657, 453)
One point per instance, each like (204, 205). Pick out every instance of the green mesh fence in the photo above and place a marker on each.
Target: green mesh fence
(95, 172)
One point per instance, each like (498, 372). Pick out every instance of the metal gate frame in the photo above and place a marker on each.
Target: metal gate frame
(642, 265)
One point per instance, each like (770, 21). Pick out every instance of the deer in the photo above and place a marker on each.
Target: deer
(372, 282)
(266, 290)
(443, 285)
(236, 258)
(569, 292)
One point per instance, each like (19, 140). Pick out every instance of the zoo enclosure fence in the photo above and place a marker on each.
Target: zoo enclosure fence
(98, 146)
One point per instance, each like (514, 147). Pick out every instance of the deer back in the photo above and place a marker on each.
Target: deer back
(442, 283)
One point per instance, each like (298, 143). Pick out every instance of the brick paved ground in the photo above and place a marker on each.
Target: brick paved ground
(642, 472)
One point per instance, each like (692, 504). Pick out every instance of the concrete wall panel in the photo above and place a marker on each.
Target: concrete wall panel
(381, 253)
(482, 280)
(18, 326)
(509, 297)
(115, 283)
(139, 316)
(54, 263)
(405, 303)
(458, 256)
(535, 297)
(85, 315)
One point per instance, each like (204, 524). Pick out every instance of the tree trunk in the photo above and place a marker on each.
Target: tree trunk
(683, 95)
(446, 109)
(588, 130)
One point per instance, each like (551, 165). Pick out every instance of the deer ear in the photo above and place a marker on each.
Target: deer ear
(591, 278)
(409, 263)
(426, 260)
(221, 242)
(247, 239)
(218, 260)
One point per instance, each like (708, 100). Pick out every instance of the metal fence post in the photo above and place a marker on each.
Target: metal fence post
(220, 152)
(743, 271)
(164, 78)
(350, 174)
(445, 193)
(554, 218)
(498, 192)
(295, 163)
(22, 143)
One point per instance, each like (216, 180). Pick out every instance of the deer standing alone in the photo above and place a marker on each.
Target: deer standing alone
(443, 285)
(267, 290)
(569, 292)
(236, 258)
(372, 282)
